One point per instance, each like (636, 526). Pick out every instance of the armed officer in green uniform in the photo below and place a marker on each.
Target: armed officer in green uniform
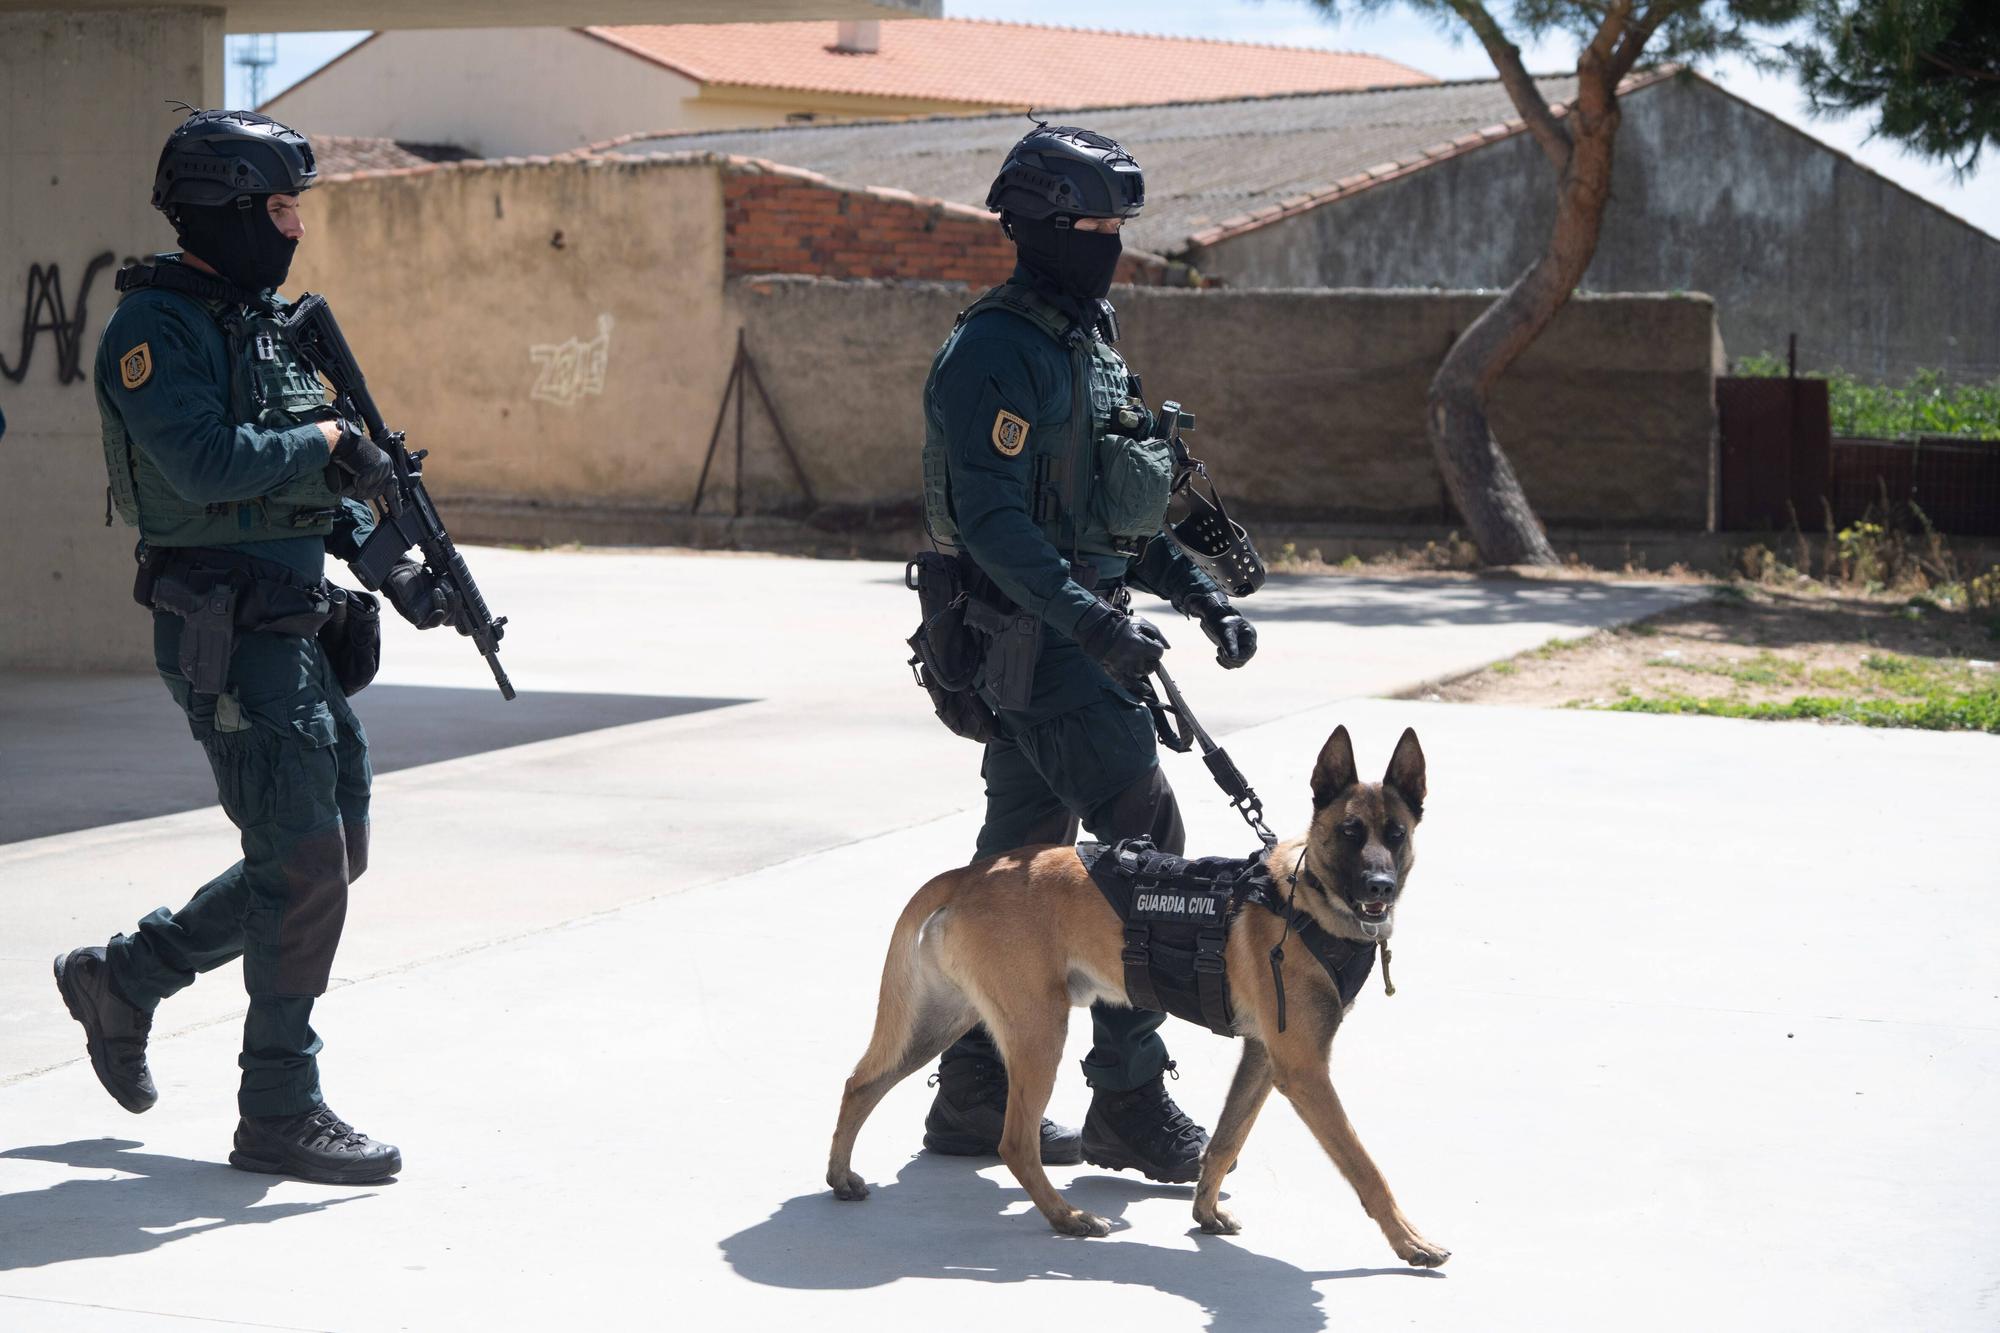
(222, 451)
(1042, 469)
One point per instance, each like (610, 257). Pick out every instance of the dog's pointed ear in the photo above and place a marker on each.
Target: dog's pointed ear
(1406, 772)
(1335, 772)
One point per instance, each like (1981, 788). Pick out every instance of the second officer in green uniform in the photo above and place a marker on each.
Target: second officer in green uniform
(1040, 469)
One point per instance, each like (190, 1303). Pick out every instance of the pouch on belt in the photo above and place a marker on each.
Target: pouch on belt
(352, 638)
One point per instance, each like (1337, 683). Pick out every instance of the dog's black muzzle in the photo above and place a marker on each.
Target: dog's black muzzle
(1378, 895)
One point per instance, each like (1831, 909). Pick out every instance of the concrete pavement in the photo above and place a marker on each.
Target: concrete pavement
(1695, 1019)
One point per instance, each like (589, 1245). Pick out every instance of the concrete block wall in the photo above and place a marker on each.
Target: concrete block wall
(1310, 403)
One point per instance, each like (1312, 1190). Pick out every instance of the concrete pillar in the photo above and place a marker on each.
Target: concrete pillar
(84, 106)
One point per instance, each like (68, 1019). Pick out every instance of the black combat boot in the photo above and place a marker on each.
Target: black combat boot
(971, 1107)
(1142, 1130)
(114, 1032)
(314, 1145)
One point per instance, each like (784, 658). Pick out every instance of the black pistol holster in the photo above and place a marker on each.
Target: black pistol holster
(975, 650)
(1013, 643)
(218, 593)
(945, 654)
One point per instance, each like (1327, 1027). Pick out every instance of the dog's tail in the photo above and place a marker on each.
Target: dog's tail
(911, 984)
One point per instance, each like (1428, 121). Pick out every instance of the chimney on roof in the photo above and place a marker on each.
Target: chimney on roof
(858, 37)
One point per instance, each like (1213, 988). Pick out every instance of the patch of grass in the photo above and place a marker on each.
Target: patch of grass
(1971, 712)
(1730, 593)
(1763, 669)
(1892, 690)
(1641, 629)
(1504, 668)
(1555, 646)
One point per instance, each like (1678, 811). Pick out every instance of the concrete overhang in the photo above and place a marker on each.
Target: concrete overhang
(327, 15)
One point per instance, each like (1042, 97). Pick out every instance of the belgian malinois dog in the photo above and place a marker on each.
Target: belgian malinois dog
(1014, 941)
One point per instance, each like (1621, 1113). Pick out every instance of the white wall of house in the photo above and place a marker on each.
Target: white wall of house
(499, 92)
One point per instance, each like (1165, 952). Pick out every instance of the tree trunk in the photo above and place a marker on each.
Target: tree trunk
(1482, 484)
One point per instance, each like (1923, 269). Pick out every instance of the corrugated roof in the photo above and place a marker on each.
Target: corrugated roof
(986, 63)
(337, 154)
(1209, 165)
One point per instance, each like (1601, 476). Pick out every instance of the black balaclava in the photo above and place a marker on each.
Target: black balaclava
(242, 243)
(1080, 264)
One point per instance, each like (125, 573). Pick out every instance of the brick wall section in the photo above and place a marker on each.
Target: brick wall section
(783, 220)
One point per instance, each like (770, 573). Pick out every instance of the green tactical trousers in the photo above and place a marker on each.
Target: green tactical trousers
(1098, 767)
(291, 770)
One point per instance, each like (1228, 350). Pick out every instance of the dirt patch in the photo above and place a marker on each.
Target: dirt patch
(1754, 652)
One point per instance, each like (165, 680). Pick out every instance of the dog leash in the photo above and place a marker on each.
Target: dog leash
(1244, 800)
(1242, 796)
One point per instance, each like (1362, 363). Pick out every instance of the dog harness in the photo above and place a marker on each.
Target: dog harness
(1177, 915)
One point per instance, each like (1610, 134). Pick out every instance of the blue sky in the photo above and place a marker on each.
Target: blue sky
(1395, 33)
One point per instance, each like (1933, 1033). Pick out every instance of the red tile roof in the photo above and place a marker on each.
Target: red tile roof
(986, 63)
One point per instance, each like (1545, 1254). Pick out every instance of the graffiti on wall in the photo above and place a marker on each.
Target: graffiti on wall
(48, 311)
(573, 368)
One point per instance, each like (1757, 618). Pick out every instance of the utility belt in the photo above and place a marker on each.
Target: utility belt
(975, 650)
(218, 594)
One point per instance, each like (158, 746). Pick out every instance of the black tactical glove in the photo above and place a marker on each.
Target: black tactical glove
(1126, 647)
(1235, 638)
(415, 595)
(368, 469)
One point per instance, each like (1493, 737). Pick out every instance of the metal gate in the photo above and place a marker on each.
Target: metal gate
(1775, 464)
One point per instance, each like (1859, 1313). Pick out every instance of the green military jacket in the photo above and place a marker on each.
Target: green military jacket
(1002, 409)
(208, 427)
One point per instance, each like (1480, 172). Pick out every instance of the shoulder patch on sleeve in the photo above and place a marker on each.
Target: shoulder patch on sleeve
(136, 366)
(1010, 434)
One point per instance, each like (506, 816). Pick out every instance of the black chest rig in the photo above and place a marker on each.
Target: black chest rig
(1177, 915)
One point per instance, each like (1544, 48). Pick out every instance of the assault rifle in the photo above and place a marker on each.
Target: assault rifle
(405, 516)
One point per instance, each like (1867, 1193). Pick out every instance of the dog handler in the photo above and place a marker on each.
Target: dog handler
(1041, 471)
(222, 452)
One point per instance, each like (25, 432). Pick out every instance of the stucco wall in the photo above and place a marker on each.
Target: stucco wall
(504, 92)
(1709, 194)
(84, 102)
(495, 91)
(546, 330)
(1310, 403)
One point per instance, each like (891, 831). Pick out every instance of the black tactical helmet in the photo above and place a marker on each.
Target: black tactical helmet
(213, 157)
(1059, 169)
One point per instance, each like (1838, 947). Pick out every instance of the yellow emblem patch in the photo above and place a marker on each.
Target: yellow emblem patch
(1010, 434)
(136, 366)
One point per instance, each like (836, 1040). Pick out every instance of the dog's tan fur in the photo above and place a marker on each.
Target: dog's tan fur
(1013, 942)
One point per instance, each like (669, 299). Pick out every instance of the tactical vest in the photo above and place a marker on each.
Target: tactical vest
(1095, 492)
(270, 386)
(1177, 915)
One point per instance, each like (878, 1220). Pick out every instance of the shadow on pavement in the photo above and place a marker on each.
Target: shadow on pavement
(941, 1219)
(162, 1199)
(102, 750)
